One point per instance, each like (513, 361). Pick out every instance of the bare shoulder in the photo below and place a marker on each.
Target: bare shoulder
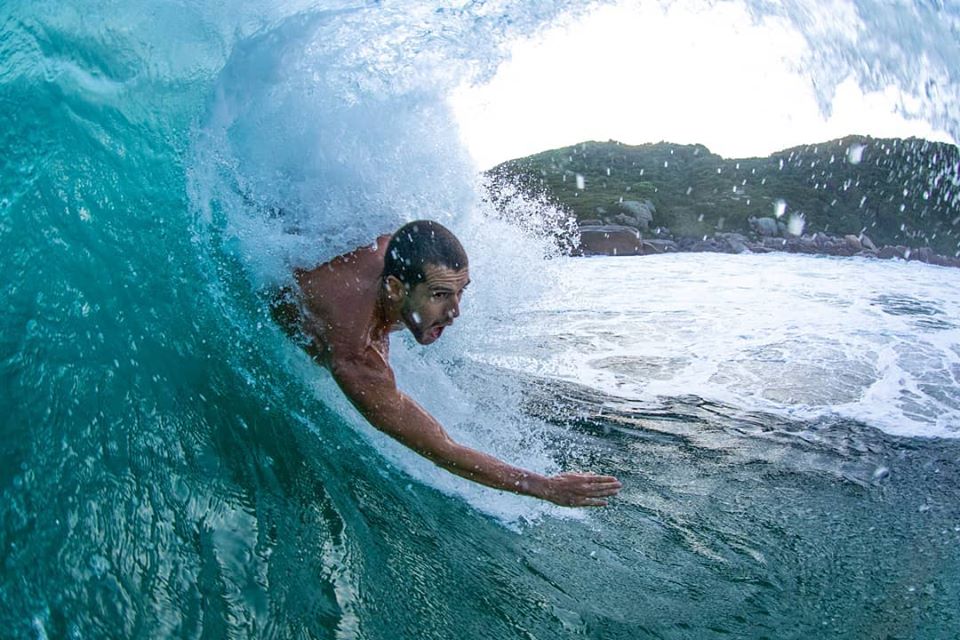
(339, 297)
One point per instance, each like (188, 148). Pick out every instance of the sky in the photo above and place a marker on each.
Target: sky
(641, 73)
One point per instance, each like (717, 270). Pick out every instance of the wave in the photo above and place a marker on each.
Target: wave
(171, 465)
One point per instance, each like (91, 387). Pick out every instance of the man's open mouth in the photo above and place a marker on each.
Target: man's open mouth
(436, 331)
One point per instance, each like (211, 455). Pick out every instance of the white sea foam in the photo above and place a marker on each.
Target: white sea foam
(805, 337)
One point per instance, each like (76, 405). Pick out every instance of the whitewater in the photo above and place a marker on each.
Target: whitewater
(171, 465)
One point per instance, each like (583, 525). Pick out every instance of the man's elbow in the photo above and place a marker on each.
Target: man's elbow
(366, 391)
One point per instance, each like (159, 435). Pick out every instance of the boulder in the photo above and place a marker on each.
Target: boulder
(641, 211)
(709, 245)
(735, 242)
(948, 261)
(659, 246)
(627, 221)
(777, 244)
(867, 242)
(822, 240)
(890, 251)
(610, 240)
(838, 247)
(805, 244)
(766, 227)
(853, 242)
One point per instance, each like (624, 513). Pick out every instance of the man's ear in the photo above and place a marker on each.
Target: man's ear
(395, 289)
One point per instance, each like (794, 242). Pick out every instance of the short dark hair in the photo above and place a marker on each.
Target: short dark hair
(420, 243)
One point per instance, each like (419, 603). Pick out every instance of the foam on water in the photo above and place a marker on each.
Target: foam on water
(805, 337)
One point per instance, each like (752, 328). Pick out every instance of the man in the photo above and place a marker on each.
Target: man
(344, 312)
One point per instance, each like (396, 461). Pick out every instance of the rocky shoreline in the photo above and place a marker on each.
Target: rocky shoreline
(624, 240)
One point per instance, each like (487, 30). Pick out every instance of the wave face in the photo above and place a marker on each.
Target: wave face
(171, 466)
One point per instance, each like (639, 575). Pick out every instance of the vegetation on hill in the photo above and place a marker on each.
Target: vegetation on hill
(897, 191)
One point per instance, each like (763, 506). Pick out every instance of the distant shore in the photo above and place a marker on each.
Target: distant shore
(663, 197)
(622, 240)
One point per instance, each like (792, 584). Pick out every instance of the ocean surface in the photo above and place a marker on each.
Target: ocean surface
(787, 428)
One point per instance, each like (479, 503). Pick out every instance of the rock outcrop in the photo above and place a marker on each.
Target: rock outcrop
(610, 240)
(622, 240)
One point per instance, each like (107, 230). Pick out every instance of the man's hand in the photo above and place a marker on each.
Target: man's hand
(579, 489)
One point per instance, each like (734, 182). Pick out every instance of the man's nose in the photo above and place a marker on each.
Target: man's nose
(454, 310)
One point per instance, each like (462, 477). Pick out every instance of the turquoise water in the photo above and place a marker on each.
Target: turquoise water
(170, 466)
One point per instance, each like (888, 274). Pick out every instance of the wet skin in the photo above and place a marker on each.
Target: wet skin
(346, 311)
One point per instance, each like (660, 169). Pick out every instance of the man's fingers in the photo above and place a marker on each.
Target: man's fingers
(606, 491)
(589, 477)
(593, 502)
(606, 483)
(586, 489)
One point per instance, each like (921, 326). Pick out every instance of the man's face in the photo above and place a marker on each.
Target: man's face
(432, 305)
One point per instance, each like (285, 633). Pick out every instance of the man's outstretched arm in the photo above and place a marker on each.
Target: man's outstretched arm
(370, 385)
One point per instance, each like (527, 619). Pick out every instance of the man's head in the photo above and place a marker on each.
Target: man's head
(425, 272)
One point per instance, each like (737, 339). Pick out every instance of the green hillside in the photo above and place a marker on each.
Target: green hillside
(897, 191)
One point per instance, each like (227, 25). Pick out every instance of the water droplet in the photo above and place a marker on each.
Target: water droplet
(795, 224)
(581, 183)
(416, 317)
(779, 207)
(855, 153)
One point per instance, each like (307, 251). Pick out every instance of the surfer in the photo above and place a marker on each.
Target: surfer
(343, 312)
